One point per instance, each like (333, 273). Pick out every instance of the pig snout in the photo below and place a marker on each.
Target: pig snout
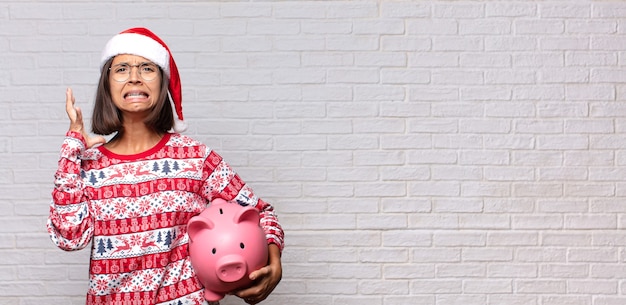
(231, 268)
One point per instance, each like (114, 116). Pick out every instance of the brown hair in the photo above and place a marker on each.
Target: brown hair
(107, 118)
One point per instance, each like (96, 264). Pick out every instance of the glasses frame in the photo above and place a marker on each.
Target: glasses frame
(130, 70)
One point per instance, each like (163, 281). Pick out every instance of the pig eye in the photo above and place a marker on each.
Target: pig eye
(214, 250)
(241, 245)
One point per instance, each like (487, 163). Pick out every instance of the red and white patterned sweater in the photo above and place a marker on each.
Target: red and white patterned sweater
(134, 209)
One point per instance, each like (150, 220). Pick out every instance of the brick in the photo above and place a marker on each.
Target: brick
(563, 271)
(457, 110)
(593, 255)
(405, 9)
(383, 27)
(562, 205)
(398, 43)
(484, 27)
(507, 270)
(513, 299)
(405, 142)
(513, 9)
(519, 76)
(539, 26)
(408, 271)
(325, 27)
(433, 94)
(442, 188)
(464, 10)
(510, 43)
(558, 110)
(360, 270)
(484, 221)
(443, 77)
(297, 143)
(456, 173)
(511, 238)
(462, 239)
(352, 43)
(331, 287)
(404, 173)
(484, 125)
(457, 141)
(404, 76)
(563, 75)
(485, 93)
(566, 239)
(245, 10)
(386, 59)
(352, 142)
(456, 43)
(549, 10)
(469, 299)
(436, 286)
(377, 189)
(436, 59)
(374, 92)
(487, 286)
(432, 27)
(386, 255)
(591, 27)
(353, 76)
(538, 59)
(517, 205)
(536, 222)
(508, 174)
(541, 286)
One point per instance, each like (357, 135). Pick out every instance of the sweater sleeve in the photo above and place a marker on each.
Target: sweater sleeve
(70, 224)
(222, 182)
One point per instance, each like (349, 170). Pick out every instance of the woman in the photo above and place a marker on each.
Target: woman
(132, 196)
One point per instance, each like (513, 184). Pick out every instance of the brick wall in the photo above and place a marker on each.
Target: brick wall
(418, 152)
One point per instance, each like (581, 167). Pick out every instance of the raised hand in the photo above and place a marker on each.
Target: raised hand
(76, 120)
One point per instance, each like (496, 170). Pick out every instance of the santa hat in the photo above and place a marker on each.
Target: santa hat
(144, 43)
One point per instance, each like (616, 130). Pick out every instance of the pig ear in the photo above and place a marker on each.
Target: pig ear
(247, 214)
(198, 223)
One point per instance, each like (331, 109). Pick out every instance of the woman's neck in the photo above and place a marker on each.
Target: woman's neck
(134, 139)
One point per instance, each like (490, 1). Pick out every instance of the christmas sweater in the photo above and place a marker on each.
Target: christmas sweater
(133, 211)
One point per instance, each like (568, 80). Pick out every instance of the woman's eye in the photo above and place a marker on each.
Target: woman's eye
(148, 69)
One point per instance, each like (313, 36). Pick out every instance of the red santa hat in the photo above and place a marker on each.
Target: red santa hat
(144, 43)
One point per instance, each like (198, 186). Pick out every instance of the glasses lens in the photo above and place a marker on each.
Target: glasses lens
(120, 72)
(148, 71)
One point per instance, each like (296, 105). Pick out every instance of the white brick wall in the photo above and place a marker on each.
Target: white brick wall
(418, 152)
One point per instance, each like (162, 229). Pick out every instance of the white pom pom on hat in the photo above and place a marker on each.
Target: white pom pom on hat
(144, 43)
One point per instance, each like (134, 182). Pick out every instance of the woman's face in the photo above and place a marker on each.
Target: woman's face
(135, 84)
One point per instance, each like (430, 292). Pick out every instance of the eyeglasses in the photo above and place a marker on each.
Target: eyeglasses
(147, 71)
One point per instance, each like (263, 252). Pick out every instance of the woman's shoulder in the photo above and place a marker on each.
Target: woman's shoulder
(180, 140)
(190, 144)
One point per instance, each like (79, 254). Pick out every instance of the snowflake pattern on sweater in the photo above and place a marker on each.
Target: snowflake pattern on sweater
(133, 210)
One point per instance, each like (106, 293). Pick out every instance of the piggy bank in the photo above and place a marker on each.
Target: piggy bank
(226, 243)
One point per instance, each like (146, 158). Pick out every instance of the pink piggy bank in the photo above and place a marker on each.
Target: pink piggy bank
(226, 243)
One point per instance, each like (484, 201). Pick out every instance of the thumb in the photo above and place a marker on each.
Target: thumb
(92, 141)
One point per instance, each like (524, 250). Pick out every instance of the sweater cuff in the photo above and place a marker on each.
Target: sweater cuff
(75, 143)
(76, 135)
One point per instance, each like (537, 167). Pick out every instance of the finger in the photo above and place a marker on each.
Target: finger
(69, 101)
(79, 114)
(249, 293)
(260, 273)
